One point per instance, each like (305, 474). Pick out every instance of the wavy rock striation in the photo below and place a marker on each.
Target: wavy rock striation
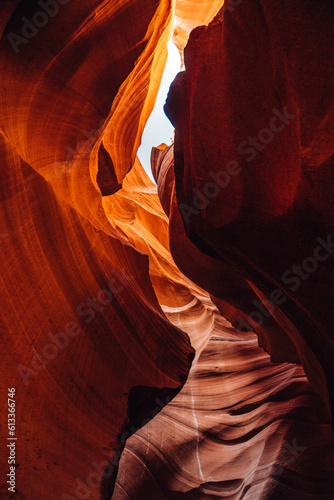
(254, 188)
(130, 382)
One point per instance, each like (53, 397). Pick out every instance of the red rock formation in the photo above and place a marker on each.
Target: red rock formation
(254, 185)
(100, 322)
(241, 427)
(76, 286)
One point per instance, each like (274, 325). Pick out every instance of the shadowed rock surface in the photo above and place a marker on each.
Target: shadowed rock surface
(118, 296)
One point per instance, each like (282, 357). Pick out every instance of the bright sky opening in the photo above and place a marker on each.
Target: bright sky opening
(158, 128)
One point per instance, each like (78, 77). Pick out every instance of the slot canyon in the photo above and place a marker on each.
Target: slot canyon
(169, 339)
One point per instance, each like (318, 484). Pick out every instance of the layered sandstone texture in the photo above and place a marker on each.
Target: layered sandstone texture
(175, 340)
(254, 186)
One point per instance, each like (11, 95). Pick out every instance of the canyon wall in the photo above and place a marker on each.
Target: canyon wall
(155, 347)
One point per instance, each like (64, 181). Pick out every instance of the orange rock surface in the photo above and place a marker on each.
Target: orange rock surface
(254, 186)
(130, 383)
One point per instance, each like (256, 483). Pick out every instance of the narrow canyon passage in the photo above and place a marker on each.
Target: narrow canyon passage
(166, 304)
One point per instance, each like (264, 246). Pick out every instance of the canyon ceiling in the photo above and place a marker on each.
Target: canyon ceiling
(168, 341)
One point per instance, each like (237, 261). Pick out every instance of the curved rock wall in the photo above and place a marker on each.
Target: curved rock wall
(130, 382)
(254, 185)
